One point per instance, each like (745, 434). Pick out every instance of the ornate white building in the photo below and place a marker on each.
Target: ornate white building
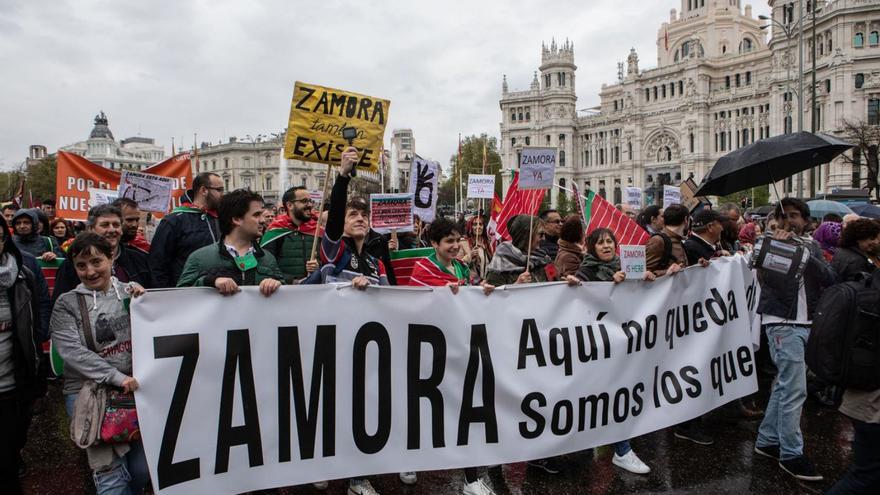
(134, 153)
(718, 86)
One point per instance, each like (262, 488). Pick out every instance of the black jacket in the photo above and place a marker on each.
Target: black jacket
(696, 248)
(26, 351)
(849, 264)
(178, 235)
(550, 245)
(779, 293)
(134, 262)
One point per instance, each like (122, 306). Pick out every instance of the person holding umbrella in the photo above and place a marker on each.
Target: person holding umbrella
(786, 306)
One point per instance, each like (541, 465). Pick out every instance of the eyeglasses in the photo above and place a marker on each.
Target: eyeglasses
(307, 201)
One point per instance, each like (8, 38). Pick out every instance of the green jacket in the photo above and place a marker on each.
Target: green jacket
(292, 249)
(205, 265)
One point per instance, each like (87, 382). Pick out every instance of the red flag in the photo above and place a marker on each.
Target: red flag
(599, 213)
(516, 202)
(497, 205)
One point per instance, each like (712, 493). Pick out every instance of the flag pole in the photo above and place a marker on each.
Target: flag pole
(529, 256)
(320, 211)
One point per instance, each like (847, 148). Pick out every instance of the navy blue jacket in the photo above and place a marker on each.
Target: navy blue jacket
(178, 235)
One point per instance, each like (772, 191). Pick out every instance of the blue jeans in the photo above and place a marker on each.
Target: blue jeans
(782, 420)
(127, 475)
(622, 448)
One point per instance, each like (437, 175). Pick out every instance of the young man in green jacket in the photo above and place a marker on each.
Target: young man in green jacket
(237, 259)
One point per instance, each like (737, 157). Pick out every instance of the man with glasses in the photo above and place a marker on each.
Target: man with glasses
(290, 237)
(552, 228)
(188, 227)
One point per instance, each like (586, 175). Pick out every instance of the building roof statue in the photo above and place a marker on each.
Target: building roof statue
(101, 129)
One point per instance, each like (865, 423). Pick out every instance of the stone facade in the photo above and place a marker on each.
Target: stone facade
(718, 86)
(257, 166)
(134, 153)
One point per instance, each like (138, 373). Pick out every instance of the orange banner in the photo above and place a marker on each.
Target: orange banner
(76, 175)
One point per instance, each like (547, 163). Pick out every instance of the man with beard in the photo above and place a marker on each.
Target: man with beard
(131, 219)
(129, 264)
(28, 239)
(190, 226)
(290, 237)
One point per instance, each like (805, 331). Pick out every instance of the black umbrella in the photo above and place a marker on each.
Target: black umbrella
(769, 160)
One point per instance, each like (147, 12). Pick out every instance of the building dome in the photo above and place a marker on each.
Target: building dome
(101, 130)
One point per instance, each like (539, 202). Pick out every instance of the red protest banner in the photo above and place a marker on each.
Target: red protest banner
(75, 175)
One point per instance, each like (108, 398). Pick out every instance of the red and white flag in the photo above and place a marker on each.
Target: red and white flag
(516, 202)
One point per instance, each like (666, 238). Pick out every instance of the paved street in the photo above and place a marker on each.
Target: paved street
(56, 467)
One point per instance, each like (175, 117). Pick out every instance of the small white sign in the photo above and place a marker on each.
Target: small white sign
(424, 180)
(536, 168)
(98, 197)
(151, 192)
(632, 262)
(481, 186)
(634, 197)
(671, 195)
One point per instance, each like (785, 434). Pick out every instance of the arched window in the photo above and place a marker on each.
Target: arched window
(860, 80)
(513, 116)
(859, 40)
(629, 150)
(691, 139)
(745, 46)
(561, 158)
(528, 141)
(561, 182)
(874, 38)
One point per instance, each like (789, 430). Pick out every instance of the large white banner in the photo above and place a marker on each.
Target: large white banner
(325, 382)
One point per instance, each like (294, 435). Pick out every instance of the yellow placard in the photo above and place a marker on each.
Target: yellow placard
(317, 117)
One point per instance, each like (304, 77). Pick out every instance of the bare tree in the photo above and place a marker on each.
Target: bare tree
(866, 139)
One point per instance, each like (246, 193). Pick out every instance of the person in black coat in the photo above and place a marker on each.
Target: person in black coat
(20, 381)
(129, 264)
(858, 241)
(190, 226)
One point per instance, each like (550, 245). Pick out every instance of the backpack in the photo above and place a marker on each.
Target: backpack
(844, 344)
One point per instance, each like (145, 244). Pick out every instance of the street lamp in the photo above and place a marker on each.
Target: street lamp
(800, 92)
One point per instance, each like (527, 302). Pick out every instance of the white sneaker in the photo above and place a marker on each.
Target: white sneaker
(631, 462)
(477, 488)
(409, 477)
(362, 487)
(320, 485)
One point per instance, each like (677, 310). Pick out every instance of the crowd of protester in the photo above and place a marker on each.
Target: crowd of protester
(229, 239)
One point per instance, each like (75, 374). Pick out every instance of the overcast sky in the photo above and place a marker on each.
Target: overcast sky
(226, 68)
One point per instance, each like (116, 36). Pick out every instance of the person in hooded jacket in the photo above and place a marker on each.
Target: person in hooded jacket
(20, 382)
(103, 299)
(190, 226)
(28, 239)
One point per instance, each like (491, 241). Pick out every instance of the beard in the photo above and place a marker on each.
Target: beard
(301, 215)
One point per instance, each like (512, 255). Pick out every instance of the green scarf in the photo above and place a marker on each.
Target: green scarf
(595, 270)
